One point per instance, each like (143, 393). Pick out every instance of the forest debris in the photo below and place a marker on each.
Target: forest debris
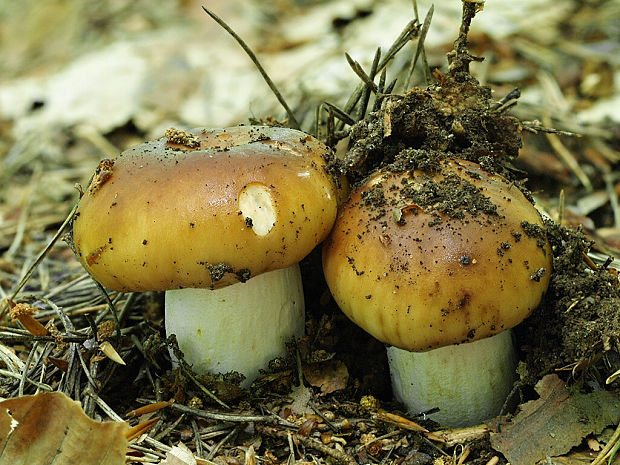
(399, 421)
(330, 375)
(556, 422)
(453, 436)
(300, 396)
(110, 352)
(23, 313)
(179, 455)
(51, 428)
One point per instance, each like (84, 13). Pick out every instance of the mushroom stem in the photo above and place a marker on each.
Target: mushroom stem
(469, 382)
(240, 327)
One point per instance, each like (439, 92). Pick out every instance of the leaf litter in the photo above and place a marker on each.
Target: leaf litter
(574, 333)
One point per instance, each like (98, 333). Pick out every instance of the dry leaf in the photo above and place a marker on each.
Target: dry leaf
(300, 396)
(555, 423)
(330, 375)
(51, 428)
(59, 363)
(179, 455)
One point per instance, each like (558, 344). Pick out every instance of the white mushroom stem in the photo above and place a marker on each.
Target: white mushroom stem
(468, 382)
(240, 327)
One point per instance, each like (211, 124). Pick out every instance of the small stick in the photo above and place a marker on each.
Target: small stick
(197, 440)
(165, 432)
(340, 114)
(339, 456)
(224, 440)
(10, 374)
(460, 58)
(410, 29)
(366, 93)
(292, 120)
(357, 68)
(568, 158)
(38, 260)
(420, 49)
(232, 417)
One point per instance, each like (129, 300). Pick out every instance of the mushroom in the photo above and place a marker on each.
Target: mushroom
(219, 219)
(440, 265)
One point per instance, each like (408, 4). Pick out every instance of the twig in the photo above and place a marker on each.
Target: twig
(361, 113)
(410, 29)
(224, 440)
(292, 120)
(109, 411)
(340, 114)
(330, 425)
(459, 58)
(534, 127)
(232, 417)
(38, 260)
(189, 374)
(197, 440)
(568, 158)
(146, 450)
(613, 197)
(420, 49)
(357, 68)
(10, 374)
(339, 456)
(17, 338)
(112, 309)
(165, 432)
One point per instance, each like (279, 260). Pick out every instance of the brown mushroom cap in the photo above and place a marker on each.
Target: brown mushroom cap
(422, 261)
(205, 209)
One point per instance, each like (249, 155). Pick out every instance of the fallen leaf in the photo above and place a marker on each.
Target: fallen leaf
(300, 396)
(51, 428)
(179, 455)
(330, 375)
(59, 363)
(554, 423)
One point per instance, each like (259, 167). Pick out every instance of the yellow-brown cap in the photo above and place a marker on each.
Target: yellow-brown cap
(205, 208)
(424, 260)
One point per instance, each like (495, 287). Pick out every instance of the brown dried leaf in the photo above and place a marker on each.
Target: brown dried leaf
(51, 428)
(59, 363)
(179, 455)
(330, 375)
(307, 426)
(554, 423)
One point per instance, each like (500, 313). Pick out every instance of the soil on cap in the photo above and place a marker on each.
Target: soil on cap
(454, 119)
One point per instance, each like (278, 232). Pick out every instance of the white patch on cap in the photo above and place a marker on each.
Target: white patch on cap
(256, 204)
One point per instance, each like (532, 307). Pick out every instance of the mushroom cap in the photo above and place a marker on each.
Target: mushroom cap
(424, 260)
(205, 208)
